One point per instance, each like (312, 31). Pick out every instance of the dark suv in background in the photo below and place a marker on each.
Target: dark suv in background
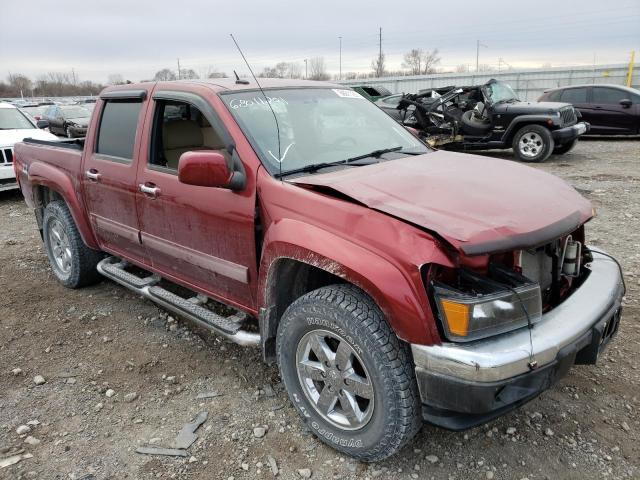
(610, 109)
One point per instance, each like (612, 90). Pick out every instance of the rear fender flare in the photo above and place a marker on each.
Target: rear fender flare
(45, 175)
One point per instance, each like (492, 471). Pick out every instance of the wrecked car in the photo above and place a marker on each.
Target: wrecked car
(491, 116)
(391, 283)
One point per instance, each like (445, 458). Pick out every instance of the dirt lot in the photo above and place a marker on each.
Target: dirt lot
(87, 342)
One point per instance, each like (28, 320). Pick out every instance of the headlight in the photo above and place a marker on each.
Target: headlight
(492, 306)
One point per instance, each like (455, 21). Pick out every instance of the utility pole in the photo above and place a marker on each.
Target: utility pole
(306, 72)
(630, 70)
(73, 73)
(179, 72)
(340, 75)
(380, 54)
(478, 45)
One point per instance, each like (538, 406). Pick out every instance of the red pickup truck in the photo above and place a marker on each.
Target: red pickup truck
(393, 284)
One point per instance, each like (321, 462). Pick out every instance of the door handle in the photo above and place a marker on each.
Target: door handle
(149, 189)
(92, 175)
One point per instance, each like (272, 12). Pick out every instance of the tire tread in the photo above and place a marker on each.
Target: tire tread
(87, 258)
(373, 330)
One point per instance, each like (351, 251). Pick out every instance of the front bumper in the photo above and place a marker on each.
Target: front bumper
(463, 385)
(78, 131)
(7, 176)
(568, 134)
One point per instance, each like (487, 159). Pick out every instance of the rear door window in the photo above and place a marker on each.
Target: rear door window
(574, 95)
(554, 96)
(117, 132)
(608, 95)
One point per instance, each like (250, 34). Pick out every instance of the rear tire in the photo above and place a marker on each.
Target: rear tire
(347, 374)
(72, 262)
(562, 149)
(533, 143)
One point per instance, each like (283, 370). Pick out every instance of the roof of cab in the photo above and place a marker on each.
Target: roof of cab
(227, 84)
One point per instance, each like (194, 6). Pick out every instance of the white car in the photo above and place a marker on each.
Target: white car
(14, 127)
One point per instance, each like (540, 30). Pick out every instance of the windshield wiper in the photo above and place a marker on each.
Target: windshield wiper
(317, 166)
(374, 154)
(309, 168)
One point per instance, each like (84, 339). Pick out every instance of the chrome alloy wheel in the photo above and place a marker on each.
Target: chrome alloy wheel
(530, 144)
(334, 379)
(60, 246)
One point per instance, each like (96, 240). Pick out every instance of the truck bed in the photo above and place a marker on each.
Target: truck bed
(41, 157)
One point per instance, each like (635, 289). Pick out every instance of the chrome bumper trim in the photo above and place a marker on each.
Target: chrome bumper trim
(507, 355)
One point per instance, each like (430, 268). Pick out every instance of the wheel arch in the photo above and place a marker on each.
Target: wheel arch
(319, 259)
(523, 121)
(50, 184)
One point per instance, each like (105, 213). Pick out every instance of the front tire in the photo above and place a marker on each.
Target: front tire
(562, 149)
(67, 132)
(350, 378)
(533, 143)
(73, 263)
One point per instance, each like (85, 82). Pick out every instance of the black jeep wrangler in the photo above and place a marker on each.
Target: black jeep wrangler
(491, 116)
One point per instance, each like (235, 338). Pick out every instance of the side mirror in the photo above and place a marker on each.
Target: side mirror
(205, 168)
(42, 124)
(625, 102)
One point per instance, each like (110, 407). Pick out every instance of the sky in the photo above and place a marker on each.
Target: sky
(136, 38)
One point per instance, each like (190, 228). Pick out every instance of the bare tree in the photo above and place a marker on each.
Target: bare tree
(294, 70)
(317, 69)
(430, 60)
(419, 62)
(21, 83)
(281, 68)
(413, 61)
(164, 75)
(115, 79)
(485, 67)
(269, 72)
(189, 74)
(462, 68)
(377, 65)
(51, 84)
(213, 72)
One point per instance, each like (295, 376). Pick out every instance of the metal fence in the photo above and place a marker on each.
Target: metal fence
(528, 84)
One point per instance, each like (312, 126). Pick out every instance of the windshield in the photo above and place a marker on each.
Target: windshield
(317, 125)
(75, 112)
(500, 92)
(33, 111)
(14, 119)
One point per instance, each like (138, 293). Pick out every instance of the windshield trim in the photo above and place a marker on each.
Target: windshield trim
(274, 171)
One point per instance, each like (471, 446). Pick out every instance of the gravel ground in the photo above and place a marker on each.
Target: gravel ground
(120, 373)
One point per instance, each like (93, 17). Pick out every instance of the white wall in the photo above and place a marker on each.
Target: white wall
(528, 84)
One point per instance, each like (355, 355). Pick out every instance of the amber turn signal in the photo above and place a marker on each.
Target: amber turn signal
(457, 317)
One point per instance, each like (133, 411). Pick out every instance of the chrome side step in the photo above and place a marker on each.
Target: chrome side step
(190, 308)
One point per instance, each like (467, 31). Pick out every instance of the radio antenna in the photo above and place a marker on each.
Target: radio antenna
(275, 117)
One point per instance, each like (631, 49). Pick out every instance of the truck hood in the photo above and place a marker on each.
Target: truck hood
(477, 204)
(9, 137)
(530, 108)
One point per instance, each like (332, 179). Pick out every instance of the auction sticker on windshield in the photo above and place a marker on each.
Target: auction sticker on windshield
(347, 93)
